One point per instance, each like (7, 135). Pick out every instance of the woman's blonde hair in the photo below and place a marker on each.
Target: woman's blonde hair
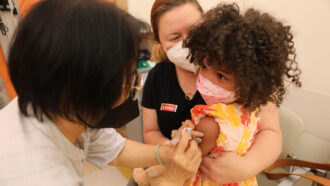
(158, 54)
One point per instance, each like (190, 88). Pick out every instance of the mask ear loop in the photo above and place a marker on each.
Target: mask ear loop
(236, 92)
(137, 86)
(84, 122)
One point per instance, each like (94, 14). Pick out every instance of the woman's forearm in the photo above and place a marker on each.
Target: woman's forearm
(154, 137)
(151, 131)
(135, 154)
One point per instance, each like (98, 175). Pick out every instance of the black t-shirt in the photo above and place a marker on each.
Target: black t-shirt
(163, 93)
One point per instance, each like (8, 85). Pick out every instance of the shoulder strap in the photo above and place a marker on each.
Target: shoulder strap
(300, 163)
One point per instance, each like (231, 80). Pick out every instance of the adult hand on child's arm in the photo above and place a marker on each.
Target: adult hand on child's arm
(183, 163)
(197, 135)
(228, 167)
(152, 133)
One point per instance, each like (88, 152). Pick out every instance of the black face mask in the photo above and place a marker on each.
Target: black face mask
(119, 116)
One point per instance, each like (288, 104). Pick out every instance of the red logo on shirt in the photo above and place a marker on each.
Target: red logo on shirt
(168, 107)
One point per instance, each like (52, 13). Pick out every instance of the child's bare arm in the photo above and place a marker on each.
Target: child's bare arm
(210, 128)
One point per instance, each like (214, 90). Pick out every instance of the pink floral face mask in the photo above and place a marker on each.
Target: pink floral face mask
(213, 93)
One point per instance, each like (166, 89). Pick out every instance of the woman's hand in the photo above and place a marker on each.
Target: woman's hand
(226, 167)
(188, 124)
(184, 162)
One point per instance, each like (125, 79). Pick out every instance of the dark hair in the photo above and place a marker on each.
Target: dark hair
(72, 57)
(255, 47)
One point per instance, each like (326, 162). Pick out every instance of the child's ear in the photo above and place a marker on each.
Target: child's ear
(204, 63)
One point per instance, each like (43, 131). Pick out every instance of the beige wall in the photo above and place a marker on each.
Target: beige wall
(310, 21)
(120, 3)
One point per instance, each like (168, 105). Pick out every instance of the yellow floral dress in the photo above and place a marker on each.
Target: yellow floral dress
(237, 132)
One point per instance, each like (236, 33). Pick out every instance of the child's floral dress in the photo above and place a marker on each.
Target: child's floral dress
(237, 132)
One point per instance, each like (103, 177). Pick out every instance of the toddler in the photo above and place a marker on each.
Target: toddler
(246, 60)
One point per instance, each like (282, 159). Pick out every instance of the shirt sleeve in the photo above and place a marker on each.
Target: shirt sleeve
(54, 176)
(149, 90)
(105, 145)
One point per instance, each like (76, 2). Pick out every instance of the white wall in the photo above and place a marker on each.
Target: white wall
(310, 21)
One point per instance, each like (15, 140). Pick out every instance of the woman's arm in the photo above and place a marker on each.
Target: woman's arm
(135, 154)
(181, 161)
(228, 167)
(151, 132)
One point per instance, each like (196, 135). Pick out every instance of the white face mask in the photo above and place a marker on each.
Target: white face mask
(178, 56)
(212, 93)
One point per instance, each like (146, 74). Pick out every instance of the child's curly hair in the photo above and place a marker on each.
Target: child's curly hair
(255, 47)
